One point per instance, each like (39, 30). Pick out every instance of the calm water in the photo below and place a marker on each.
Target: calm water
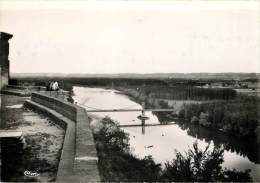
(166, 139)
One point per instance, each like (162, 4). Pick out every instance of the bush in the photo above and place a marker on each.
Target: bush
(204, 119)
(201, 165)
(195, 120)
(258, 133)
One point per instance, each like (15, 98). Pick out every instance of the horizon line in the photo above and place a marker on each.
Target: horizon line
(135, 73)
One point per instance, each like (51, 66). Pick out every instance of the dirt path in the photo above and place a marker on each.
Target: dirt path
(43, 138)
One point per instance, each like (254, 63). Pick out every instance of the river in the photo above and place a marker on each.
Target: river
(162, 141)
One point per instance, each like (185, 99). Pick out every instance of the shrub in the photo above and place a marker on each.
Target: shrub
(201, 165)
(194, 120)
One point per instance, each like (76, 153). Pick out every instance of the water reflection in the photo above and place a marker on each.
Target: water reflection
(143, 129)
(248, 148)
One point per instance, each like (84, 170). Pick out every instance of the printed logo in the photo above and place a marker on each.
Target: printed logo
(31, 173)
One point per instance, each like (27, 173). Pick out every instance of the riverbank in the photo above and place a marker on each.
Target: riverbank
(153, 102)
(237, 117)
(117, 163)
(234, 119)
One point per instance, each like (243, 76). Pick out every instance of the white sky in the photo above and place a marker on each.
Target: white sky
(132, 37)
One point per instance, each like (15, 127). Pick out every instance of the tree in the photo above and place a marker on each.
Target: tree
(194, 120)
(201, 165)
(257, 131)
(204, 117)
(115, 161)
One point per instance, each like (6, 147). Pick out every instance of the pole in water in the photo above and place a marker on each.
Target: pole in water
(143, 129)
(143, 117)
(143, 122)
(143, 113)
(143, 108)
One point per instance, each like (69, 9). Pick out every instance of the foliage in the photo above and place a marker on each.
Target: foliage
(239, 117)
(187, 92)
(194, 120)
(257, 131)
(201, 165)
(116, 163)
(163, 104)
(178, 89)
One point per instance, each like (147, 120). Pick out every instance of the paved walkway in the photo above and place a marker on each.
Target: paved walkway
(78, 161)
(43, 138)
(68, 151)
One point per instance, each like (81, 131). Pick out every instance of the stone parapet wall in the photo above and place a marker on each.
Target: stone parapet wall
(78, 162)
(20, 87)
(65, 108)
(15, 87)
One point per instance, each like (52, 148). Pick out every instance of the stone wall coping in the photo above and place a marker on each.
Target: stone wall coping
(84, 162)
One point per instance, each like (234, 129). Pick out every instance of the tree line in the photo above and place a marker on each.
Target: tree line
(177, 89)
(239, 117)
(188, 93)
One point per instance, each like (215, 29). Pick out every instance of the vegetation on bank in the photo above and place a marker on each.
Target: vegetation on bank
(199, 165)
(116, 163)
(187, 92)
(258, 132)
(182, 92)
(239, 117)
(172, 89)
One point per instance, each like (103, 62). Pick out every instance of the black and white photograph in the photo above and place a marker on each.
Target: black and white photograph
(129, 91)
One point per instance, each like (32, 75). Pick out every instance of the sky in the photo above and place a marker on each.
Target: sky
(132, 36)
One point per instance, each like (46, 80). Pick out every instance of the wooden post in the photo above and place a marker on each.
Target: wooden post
(143, 109)
(143, 113)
